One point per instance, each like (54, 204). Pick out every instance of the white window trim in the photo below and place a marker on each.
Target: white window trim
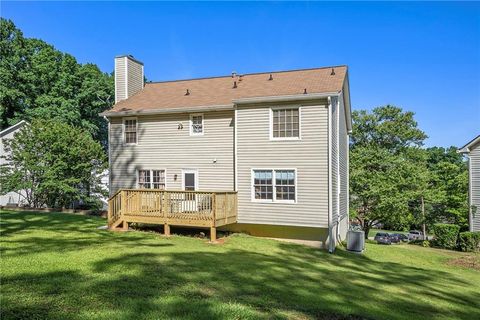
(274, 191)
(194, 171)
(151, 178)
(299, 124)
(203, 124)
(123, 131)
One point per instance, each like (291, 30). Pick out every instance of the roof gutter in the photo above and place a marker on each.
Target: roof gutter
(167, 110)
(12, 128)
(296, 97)
(467, 148)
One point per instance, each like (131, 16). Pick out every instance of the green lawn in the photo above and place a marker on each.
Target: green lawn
(60, 266)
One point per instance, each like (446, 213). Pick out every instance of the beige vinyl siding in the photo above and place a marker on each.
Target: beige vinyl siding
(474, 158)
(120, 78)
(343, 149)
(309, 156)
(134, 77)
(161, 145)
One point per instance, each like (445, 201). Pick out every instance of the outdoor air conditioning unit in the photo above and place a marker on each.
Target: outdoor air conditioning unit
(355, 241)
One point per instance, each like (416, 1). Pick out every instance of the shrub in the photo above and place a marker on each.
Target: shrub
(469, 241)
(423, 243)
(446, 235)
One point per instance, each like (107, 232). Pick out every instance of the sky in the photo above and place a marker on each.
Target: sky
(423, 57)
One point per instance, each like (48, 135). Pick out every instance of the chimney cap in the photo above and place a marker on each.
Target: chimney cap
(129, 56)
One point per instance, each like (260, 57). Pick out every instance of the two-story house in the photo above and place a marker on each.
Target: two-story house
(262, 153)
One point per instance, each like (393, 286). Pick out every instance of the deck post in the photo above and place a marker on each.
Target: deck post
(166, 229)
(125, 225)
(213, 234)
(109, 213)
(123, 205)
(214, 209)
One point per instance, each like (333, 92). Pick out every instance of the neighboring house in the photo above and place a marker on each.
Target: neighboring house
(472, 151)
(279, 139)
(11, 198)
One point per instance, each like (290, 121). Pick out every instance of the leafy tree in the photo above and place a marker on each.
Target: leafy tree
(393, 180)
(38, 81)
(450, 173)
(54, 162)
(385, 174)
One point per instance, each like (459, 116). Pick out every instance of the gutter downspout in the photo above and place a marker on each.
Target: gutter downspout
(339, 186)
(330, 212)
(109, 159)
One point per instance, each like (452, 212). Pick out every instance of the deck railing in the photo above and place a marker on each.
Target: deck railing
(188, 208)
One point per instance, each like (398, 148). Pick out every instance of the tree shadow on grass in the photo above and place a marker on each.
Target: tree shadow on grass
(236, 284)
(13, 222)
(147, 281)
(72, 233)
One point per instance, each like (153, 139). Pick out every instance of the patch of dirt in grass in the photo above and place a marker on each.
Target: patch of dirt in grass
(471, 262)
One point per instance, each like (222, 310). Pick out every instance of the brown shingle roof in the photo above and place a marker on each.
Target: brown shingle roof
(219, 91)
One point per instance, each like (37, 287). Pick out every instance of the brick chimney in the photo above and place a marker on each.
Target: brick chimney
(128, 77)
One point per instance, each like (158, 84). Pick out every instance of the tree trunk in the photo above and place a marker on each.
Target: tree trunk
(424, 229)
(366, 228)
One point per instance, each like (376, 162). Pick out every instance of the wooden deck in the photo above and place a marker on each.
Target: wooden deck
(177, 208)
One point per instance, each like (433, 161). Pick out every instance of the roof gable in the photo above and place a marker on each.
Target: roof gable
(471, 145)
(12, 128)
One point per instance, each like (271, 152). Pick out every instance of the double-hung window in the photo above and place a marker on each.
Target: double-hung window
(130, 130)
(151, 179)
(277, 185)
(285, 123)
(196, 124)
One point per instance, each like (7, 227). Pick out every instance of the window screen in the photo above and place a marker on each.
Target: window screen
(263, 184)
(130, 130)
(285, 184)
(286, 123)
(189, 181)
(158, 179)
(197, 124)
(144, 179)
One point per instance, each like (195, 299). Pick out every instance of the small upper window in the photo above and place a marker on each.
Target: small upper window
(285, 123)
(196, 124)
(130, 131)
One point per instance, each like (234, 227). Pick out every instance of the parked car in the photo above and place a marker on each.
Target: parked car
(383, 238)
(398, 237)
(415, 235)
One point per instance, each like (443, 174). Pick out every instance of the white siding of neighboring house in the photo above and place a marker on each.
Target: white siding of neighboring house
(11, 198)
(162, 145)
(309, 156)
(474, 164)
